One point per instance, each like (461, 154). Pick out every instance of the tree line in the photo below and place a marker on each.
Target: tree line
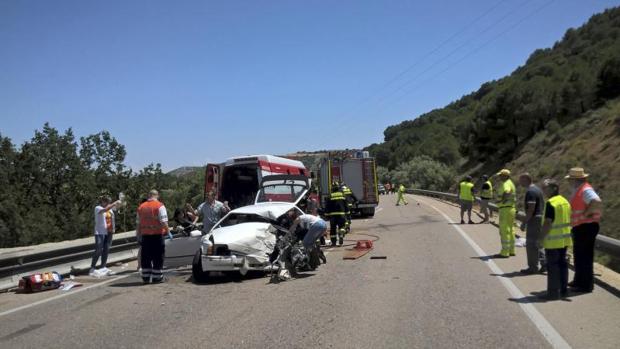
(50, 184)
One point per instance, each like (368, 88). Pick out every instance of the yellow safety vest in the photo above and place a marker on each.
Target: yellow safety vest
(507, 186)
(465, 191)
(487, 193)
(559, 235)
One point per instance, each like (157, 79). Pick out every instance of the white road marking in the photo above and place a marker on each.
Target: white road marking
(67, 293)
(547, 330)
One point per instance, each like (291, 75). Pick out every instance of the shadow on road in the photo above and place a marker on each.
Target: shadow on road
(511, 274)
(534, 297)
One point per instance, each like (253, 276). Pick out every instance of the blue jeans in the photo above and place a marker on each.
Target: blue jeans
(102, 247)
(316, 230)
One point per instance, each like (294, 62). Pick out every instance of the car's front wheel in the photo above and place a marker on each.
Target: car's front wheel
(197, 273)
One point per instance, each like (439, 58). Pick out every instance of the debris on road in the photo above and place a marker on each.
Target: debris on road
(378, 257)
(361, 248)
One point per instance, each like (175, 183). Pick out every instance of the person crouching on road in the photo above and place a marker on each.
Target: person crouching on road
(104, 229)
(401, 195)
(532, 224)
(507, 193)
(314, 227)
(585, 218)
(556, 238)
(152, 227)
(486, 195)
(466, 198)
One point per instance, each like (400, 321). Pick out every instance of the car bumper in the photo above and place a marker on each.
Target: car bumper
(233, 263)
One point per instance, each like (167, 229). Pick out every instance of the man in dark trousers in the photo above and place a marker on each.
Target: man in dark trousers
(336, 210)
(532, 224)
(151, 229)
(586, 214)
(556, 239)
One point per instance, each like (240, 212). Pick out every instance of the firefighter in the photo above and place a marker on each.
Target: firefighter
(151, 228)
(507, 193)
(349, 197)
(336, 210)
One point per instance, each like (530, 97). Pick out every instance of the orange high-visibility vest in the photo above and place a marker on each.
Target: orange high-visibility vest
(578, 207)
(148, 213)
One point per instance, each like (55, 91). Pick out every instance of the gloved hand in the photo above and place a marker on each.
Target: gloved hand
(523, 226)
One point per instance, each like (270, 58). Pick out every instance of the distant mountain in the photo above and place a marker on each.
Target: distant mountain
(184, 171)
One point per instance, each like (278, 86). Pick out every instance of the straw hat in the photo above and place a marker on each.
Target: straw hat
(504, 172)
(577, 173)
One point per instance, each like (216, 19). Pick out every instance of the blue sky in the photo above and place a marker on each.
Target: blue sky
(188, 82)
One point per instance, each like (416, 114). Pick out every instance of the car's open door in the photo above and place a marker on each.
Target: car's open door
(212, 179)
(181, 250)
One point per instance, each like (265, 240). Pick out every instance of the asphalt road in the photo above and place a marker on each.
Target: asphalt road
(432, 290)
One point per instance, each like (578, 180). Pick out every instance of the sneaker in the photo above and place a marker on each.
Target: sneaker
(470, 222)
(341, 241)
(543, 270)
(92, 272)
(462, 221)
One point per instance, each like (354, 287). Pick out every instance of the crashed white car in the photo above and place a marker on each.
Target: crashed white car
(243, 239)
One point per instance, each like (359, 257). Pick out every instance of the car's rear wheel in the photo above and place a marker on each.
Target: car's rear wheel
(197, 273)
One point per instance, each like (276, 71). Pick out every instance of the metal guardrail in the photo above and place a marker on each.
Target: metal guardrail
(14, 266)
(603, 243)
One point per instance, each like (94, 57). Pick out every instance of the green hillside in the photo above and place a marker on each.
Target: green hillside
(560, 109)
(556, 86)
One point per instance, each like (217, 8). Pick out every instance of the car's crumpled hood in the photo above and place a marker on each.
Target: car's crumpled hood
(253, 238)
(269, 210)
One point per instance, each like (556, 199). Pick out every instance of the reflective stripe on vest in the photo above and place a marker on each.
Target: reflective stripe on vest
(559, 235)
(487, 193)
(508, 185)
(465, 191)
(579, 207)
(148, 213)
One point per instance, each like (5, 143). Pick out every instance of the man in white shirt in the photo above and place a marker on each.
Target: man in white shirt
(104, 228)
(211, 212)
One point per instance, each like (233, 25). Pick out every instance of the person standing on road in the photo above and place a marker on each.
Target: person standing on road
(336, 210)
(556, 239)
(151, 228)
(401, 195)
(507, 193)
(532, 224)
(104, 229)
(211, 212)
(486, 195)
(586, 214)
(466, 198)
(349, 197)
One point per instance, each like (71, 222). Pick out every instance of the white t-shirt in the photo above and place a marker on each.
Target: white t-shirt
(307, 220)
(100, 224)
